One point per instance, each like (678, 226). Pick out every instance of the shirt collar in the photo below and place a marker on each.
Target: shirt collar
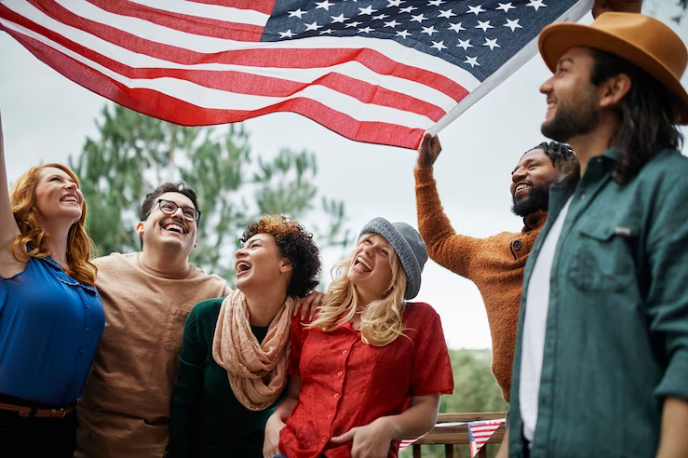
(534, 221)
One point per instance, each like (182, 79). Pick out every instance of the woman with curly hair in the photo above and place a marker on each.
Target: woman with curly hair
(233, 362)
(369, 370)
(51, 316)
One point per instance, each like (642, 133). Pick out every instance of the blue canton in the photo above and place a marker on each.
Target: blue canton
(479, 36)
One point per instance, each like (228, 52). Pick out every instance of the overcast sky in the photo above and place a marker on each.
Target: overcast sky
(47, 117)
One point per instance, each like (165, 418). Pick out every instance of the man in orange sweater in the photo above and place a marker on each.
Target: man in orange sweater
(495, 264)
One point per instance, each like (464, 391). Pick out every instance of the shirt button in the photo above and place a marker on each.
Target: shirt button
(340, 373)
(336, 395)
(324, 439)
(582, 196)
(343, 352)
(353, 337)
(516, 245)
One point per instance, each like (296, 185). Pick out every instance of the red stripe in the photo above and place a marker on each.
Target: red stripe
(280, 58)
(159, 105)
(264, 6)
(184, 23)
(243, 83)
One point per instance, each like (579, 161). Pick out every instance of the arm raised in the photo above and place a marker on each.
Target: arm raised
(8, 226)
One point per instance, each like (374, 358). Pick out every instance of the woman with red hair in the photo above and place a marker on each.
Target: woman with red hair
(51, 315)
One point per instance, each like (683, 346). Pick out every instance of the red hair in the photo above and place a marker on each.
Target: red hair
(32, 241)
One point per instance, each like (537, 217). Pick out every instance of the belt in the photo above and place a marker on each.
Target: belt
(25, 411)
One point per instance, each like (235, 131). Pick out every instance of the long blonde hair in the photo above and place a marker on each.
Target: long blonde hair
(381, 320)
(79, 245)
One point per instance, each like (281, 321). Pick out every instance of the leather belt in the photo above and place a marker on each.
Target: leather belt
(25, 411)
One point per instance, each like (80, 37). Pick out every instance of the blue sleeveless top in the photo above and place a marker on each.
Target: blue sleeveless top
(50, 328)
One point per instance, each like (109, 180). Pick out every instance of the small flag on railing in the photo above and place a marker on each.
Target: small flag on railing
(479, 432)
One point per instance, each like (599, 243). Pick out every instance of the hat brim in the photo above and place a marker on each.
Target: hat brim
(556, 39)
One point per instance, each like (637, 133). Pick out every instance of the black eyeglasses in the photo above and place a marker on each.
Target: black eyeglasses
(170, 208)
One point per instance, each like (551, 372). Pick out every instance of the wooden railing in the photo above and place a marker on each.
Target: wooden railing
(451, 435)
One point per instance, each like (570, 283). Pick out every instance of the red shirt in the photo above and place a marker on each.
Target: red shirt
(346, 383)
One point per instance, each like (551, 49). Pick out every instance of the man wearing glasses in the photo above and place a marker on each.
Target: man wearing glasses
(124, 410)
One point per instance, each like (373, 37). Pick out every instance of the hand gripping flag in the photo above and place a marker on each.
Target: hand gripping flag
(380, 71)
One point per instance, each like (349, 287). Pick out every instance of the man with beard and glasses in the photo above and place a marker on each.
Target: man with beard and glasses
(601, 366)
(495, 264)
(125, 408)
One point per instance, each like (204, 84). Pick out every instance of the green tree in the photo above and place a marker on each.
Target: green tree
(133, 153)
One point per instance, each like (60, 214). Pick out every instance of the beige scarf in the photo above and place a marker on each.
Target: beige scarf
(257, 372)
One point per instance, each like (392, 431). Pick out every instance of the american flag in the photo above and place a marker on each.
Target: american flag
(380, 71)
(479, 432)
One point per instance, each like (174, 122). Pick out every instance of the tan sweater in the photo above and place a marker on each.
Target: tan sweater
(495, 264)
(124, 410)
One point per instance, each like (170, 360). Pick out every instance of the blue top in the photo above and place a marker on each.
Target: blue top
(50, 327)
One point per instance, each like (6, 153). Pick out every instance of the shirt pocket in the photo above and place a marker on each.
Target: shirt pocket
(174, 330)
(603, 259)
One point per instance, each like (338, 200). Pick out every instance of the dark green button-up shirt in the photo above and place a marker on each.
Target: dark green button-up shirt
(616, 339)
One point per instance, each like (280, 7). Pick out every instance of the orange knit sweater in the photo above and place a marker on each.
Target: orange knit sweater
(495, 264)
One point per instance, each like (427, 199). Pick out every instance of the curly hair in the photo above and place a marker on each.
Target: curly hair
(381, 320)
(32, 241)
(296, 245)
(648, 116)
(563, 158)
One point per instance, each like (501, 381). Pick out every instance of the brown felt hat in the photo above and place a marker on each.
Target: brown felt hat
(639, 39)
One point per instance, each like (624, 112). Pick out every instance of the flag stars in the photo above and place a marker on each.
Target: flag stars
(419, 19)
(396, 3)
(484, 25)
(404, 34)
(324, 5)
(353, 24)
(326, 32)
(366, 30)
(393, 24)
(436, 2)
(367, 11)
(491, 43)
(286, 34)
(339, 18)
(465, 44)
(537, 4)
(298, 13)
(314, 26)
(381, 17)
(513, 25)
(506, 7)
(408, 9)
(429, 30)
(446, 14)
(456, 27)
(475, 10)
(472, 61)
(438, 45)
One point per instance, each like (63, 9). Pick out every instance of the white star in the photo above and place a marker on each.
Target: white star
(513, 25)
(339, 18)
(447, 13)
(408, 9)
(475, 10)
(381, 17)
(353, 24)
(536, 4)
(286, 34)
(429, 30)
(313, 26)
(326, 32)
(367, 10)
(438, 46)
(435, 2)
(420, 18)
(491, 43)
(298, 13)
(404, 34)
(472, 60)
(465, 44)
(484, 25)
(325, 5)
(366, 30)
(456, 27)
(395, 3)
(392, 24)
(506, 7)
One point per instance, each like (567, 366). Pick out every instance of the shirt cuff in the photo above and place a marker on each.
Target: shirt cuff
(673, 383)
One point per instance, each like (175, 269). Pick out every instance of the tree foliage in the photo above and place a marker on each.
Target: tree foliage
(133, 154)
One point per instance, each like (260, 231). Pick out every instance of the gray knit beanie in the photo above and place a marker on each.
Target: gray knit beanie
(409, 246)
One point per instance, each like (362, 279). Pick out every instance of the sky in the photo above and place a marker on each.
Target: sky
(46, 118)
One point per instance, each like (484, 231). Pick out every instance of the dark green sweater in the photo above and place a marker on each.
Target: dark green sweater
(207, 419)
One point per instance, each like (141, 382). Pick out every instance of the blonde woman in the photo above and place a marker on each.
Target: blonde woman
(51, 316)
(369, 370)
